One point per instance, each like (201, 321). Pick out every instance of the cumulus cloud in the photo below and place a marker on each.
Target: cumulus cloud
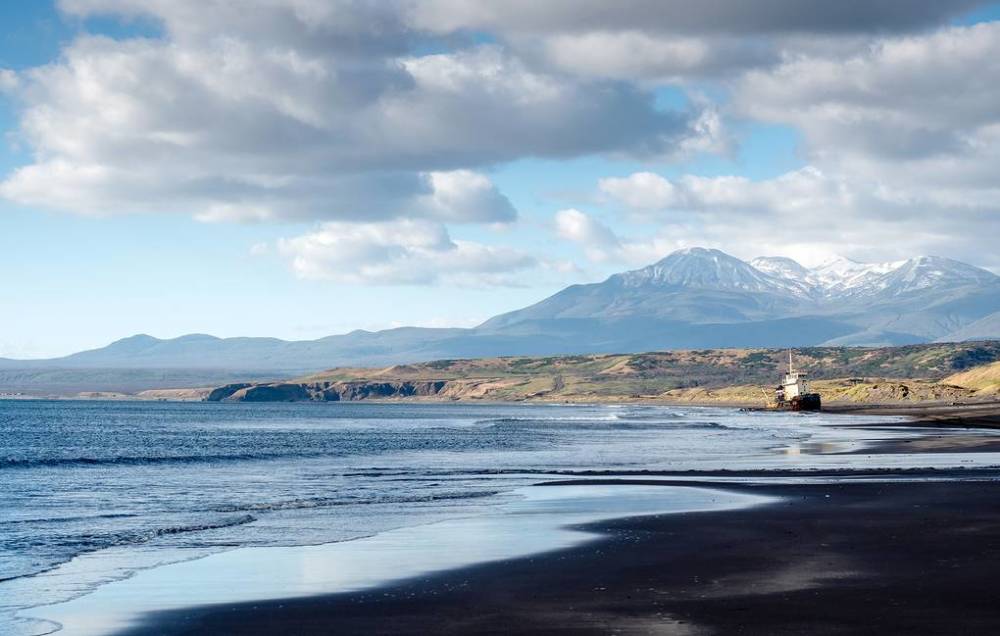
(640, 190)
(307, 110)
(904, 137)
(803, 213)
(806, 190)
(641, 55)
(681, 16)
(909, 98)
(675, 40)
(388, 118)
(400, 252)
(601, 244)
(8, 80)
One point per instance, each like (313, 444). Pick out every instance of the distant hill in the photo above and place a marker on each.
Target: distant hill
(885, 374)
(985, 379)
(693, 299)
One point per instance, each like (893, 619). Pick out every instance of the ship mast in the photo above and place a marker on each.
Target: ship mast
(790, 369)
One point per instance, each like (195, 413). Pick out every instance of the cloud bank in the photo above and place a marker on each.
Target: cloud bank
(305, 110)
(383, 125)
(405, 252)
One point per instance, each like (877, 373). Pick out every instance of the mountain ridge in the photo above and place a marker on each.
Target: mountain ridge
(692, 298)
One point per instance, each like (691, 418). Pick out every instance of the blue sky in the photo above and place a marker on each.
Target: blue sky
(89, 260)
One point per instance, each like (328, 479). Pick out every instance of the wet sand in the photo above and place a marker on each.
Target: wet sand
(862, 555)
(844, 558)
(981, 415)
(940, 416)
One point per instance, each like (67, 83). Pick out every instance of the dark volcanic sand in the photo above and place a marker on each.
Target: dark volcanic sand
(973, 415)
(854, 558)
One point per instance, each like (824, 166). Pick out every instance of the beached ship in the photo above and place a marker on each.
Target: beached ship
(793, 392)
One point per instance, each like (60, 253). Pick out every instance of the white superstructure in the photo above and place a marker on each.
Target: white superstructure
(793, 384)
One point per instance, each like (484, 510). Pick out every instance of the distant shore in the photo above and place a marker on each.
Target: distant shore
(973, 414)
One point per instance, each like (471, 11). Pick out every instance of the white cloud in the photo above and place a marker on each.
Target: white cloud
(599, 241)
(630, 55)
(676, 40)
(903, 137)
(920, 111)
(463, 195)
(805, 212)
(683, 16)
(640, 190)
(400, 252)
(318, 110)
(8, 80)
(226, 213)
(601, 244)
(306, 110)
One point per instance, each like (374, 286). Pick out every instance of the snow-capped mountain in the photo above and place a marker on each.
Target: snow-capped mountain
(842, 275)
(692, 299)
(701, 268)
(776, 299)
(928, 272)
(842, 278)
(782, 267)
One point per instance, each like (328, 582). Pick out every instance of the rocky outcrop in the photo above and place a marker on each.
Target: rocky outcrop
(397, 389)
(225, 391)
(326, 391)
(282, 392)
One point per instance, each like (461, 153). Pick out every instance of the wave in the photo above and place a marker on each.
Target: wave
(172, 530)
(329, 502)
(119, 515)
(623, 422)
(139, 460)
(653, 416)
(99, 542)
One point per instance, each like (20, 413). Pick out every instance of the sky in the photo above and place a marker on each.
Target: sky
(300, 168)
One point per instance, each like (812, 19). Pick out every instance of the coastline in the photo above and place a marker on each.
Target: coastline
(796, 486)
(538, 520)
(846, 557)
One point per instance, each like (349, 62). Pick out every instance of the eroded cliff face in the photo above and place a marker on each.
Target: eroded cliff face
(326, 391)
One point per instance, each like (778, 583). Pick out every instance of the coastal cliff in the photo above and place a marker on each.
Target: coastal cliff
(325, 391)
(919, 373)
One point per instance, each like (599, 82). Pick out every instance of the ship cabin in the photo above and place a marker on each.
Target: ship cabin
(793, 392)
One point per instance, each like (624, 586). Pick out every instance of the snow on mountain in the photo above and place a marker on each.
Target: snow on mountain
(843, 279)
(701, 268)
(843, 276)
(782, 267)
(839, 279)
(692, 299)
(925, 272)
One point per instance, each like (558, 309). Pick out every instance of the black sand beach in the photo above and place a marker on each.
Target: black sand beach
(849, 558)
(858, 556)
(973, 415)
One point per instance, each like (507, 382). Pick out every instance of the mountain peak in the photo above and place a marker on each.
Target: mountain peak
(781, 266)
(138, 340)
(923, 272)
(704, 268)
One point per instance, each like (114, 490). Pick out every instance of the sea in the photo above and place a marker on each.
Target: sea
(92, 492)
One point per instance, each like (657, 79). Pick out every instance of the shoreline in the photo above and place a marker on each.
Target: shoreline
(790, 484)
(541, 520)
(845, 557)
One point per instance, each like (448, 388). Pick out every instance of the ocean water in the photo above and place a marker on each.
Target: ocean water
(93, 492)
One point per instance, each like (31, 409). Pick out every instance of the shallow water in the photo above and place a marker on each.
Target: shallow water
(535, 522)
(92, 492)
